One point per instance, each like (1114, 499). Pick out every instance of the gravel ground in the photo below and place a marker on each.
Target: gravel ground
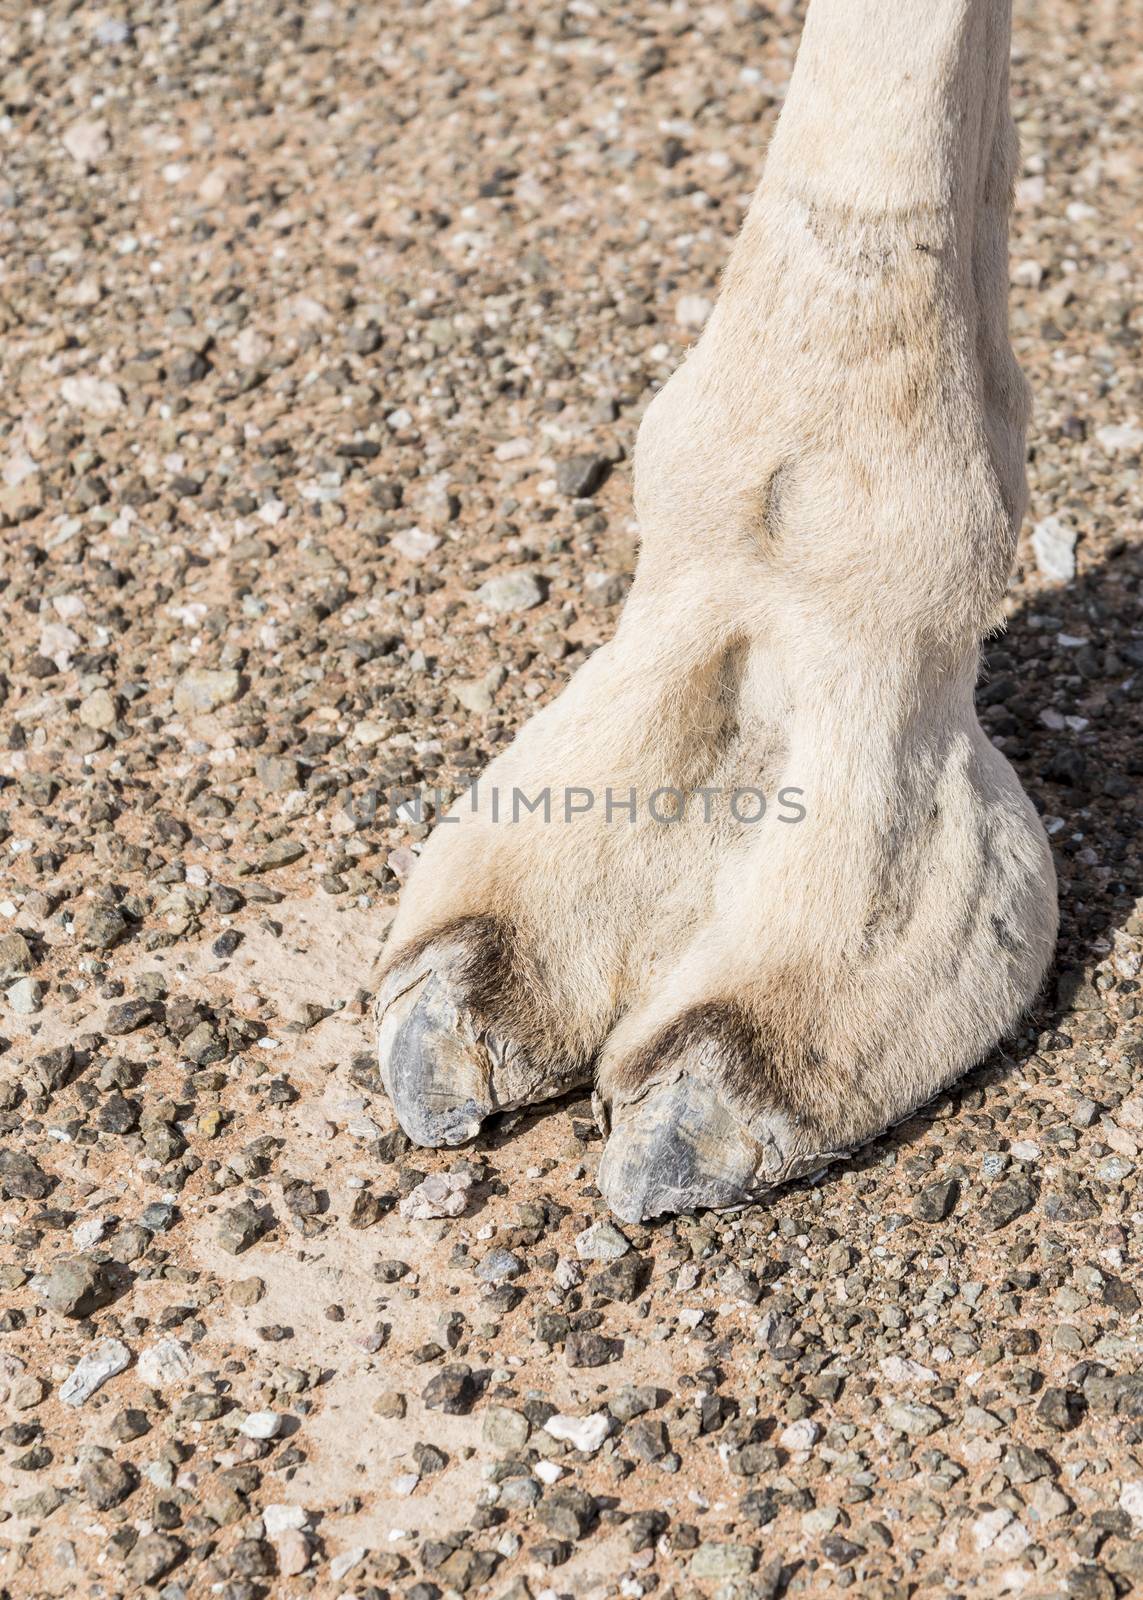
(326, 333)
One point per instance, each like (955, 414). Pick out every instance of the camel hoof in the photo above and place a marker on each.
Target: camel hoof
(437, 1069)
(680, 1148)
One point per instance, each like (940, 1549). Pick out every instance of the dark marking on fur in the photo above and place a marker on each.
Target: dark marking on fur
(769, 524)
(503, 980)
(772, 1062)
(1005, 937)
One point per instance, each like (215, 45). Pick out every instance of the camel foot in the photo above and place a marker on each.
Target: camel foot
(444, 1065)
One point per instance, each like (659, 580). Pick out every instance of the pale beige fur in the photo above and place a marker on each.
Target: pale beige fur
(829, 491)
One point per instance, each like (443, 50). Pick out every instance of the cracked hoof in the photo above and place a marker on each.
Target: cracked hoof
(435, 1066)
(444, 1071)
(679, 1147)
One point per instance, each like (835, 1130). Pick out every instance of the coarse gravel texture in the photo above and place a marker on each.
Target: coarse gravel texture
(325, 335)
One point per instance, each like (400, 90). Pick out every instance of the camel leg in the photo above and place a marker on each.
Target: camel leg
(855, 963)
(829, 491)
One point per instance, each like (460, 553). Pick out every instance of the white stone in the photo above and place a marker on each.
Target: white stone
(252, 347)
(346, 1562)
(548, 1471)
(441, 1194)
(693, 310)
(109, 1357)
(1013, 1539)
(213, 187)
(261, 1425)
(57, 641)
(568, 1274)
(25, 997)
(205, 689)
(304, 308)
(1129, 1113)
(86, 142)
(1054, 545)
(18, 468)
(800, 1435)
(1131, 1500)
(1114, 1169)
(601, 1242)
(164, 1363)
(987, 1528)
(293, 1552)
(1025, 1150)
(511, 591)
(406, 1484)
(414, 543)
(88, 1232)
(99, 397)
(97, 710)
(902, 1369)
(1120, 438)
(584, 1433)
(473, 694)
(279, 1518)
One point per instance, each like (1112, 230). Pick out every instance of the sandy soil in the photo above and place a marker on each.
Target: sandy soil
(303, 311)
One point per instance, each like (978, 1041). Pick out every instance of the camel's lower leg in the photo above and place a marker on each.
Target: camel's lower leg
(829, 491)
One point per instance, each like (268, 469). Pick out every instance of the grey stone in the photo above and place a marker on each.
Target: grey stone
(580, 476)
(632, 1401)
(106, 1482)
(240, 1227)
(76, 1286)
(591, 1350)
(646, 1439)
(278, 774)
(623, 1280)
(1061, 1410)
(1009, 1200)
(716, 1561)
(568, 1513)
(936, 1200)
(499, 1266)
(15, 955)
(98, 926)
(452, 1391)
(505, 1429)
(913, 1418)
(153, 1556)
